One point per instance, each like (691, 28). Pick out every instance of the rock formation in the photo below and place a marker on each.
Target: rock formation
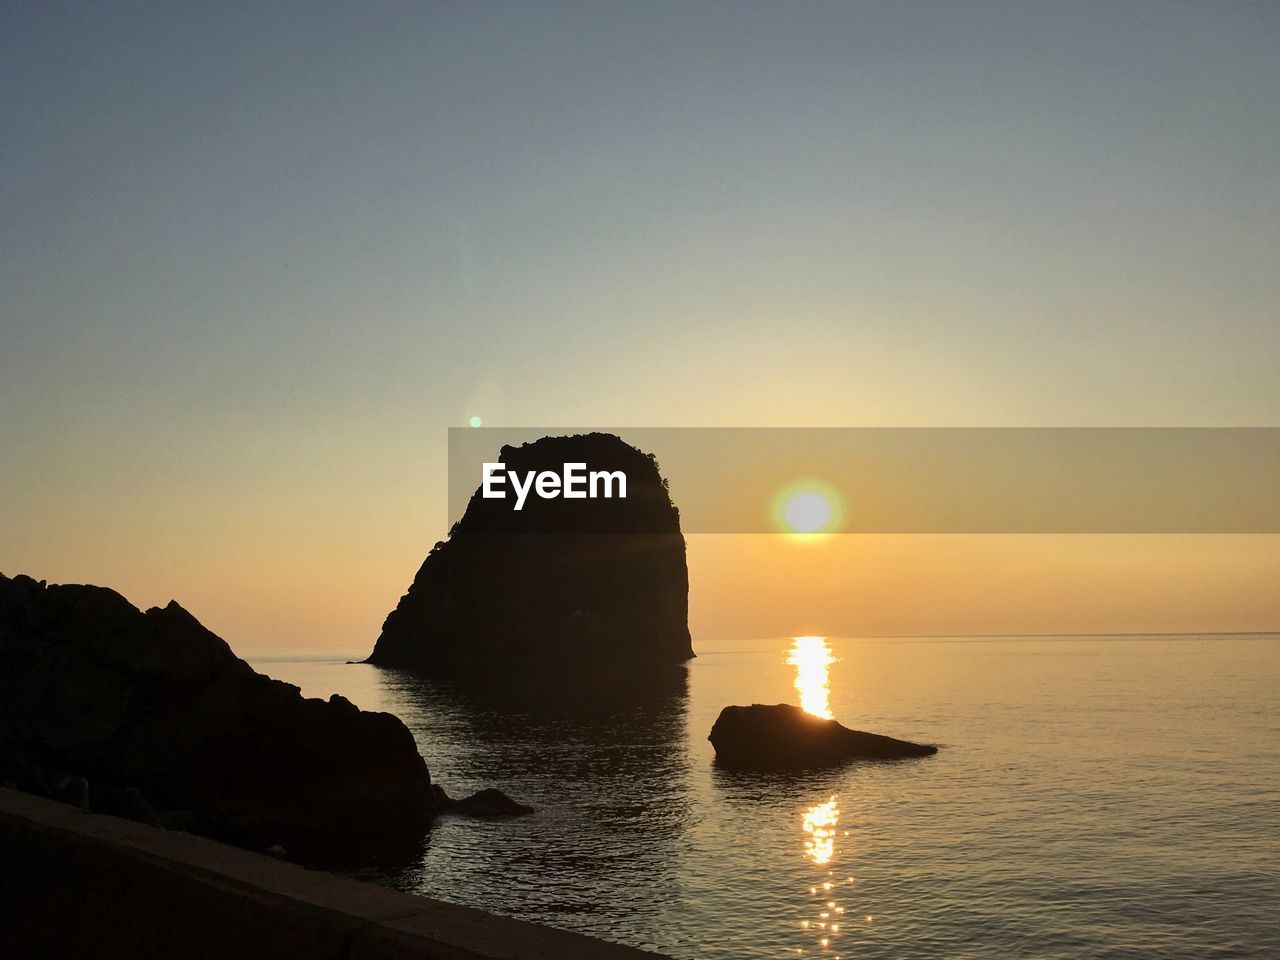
(596, 581)
(152, 716)
(483, 803)
(785, 736)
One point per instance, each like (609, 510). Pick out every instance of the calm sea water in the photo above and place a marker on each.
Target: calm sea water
(1094, 797)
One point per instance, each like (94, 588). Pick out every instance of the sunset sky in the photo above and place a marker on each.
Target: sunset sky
(258, 259)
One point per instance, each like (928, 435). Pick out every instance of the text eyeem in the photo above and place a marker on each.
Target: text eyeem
(574, 482)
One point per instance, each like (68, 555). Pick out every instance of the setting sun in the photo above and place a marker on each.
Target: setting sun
(808, 509)
(807, 512)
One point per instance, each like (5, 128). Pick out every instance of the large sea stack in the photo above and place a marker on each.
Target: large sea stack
(150, 715)
(585, 581)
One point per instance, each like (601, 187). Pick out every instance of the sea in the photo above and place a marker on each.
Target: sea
(1092, 797)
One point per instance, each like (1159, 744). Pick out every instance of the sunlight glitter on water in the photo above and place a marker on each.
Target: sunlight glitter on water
(822, 928)
(641, 838)
(820, 831)
(811, 657)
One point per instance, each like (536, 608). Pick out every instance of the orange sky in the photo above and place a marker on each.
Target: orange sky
(301, 590)
(255, 268)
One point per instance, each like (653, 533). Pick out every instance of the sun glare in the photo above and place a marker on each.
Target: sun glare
(807, 510)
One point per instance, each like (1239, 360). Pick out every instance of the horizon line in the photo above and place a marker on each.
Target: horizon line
(284, 655)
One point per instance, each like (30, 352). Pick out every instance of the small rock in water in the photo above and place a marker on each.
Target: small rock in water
(785, 736)
(489, 803)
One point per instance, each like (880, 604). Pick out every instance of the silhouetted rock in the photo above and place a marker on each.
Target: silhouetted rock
(483, 803)
(600, 581)
(19, 774)
(157, 713)
(488, 803)
(437, 799)
(784, 736)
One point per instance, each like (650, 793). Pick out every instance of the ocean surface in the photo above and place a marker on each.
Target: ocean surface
(1093, 797)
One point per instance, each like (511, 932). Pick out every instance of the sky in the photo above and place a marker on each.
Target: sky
(257, 258)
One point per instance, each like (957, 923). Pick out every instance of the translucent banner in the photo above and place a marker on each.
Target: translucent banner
(870, 480)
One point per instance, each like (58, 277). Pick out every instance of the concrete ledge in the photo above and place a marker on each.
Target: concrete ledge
(74, 883)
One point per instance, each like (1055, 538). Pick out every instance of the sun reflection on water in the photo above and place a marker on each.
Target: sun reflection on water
(826, 907)
(811, 656)
(825, 920)
(820, 831)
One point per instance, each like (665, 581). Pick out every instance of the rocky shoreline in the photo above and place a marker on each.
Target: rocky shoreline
(150, 716)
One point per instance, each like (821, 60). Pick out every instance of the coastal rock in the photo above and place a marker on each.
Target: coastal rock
(437, 799)
(596, 581)
(489, 803)
(483, 803)
(19, 774)
(158, 714)
(785, 736)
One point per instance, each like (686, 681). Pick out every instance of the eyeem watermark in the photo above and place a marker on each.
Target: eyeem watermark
(938, 480)
(574, 482)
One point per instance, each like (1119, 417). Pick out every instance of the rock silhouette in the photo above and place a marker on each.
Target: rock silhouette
(150, 715)
(483, 803)
(599, 581)
(785, 736)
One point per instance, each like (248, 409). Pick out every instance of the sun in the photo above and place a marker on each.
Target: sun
(807, 509)
(807, 512)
